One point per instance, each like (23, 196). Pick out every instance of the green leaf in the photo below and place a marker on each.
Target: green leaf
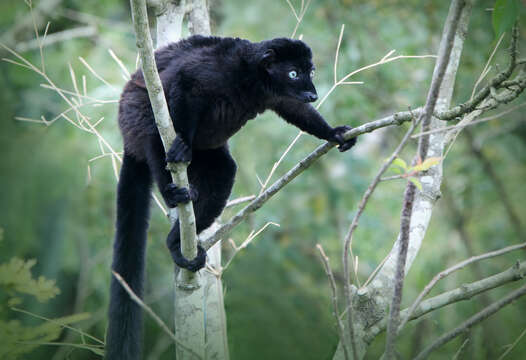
(417, 182)
(426, 164)
(16, 277)
(505, 13)
(400, 162)
(396, 170)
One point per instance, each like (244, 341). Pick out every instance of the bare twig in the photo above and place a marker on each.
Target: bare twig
(299, 14)
(78, 32)
(487, 67)
(253, 234)
(343, 81)
(91, 70)
(125, 71)
(370, 190)
(394, 310)
(395, 119)
(495, 82)
(332, 282)
(240, 200)
(150, 312)
(65, 326)
(464, 292)
(461, 349)
(472, 321)
(510, 347)
(439, 72)
(384, 60)
(461, 126)
(375, 271)
(451, 270)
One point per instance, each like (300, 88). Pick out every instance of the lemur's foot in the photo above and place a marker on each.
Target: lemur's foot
(193, 265)
(175, 195)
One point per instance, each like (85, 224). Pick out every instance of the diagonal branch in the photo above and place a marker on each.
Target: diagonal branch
(395, 119)
(453, 269)
(332, 282)
(150, 312)
(354, 224)
(464, 292)
(495, 82)
(472, 321)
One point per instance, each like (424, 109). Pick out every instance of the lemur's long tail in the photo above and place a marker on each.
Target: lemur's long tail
(124, 336)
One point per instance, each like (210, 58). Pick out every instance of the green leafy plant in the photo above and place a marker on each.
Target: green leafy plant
(400, 167)
(16, 281)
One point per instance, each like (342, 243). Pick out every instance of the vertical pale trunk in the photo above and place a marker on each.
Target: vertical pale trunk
(374, 299)
(200, 319)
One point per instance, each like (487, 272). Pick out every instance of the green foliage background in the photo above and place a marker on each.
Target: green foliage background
(277, 296)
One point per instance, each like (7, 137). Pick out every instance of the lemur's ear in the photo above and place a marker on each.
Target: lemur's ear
(267, 58)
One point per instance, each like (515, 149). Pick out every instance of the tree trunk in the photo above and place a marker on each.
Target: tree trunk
(200, 319)
(371, 302)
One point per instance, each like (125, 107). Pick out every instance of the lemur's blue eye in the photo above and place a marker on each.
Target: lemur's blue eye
(293, 74)
(312, 73)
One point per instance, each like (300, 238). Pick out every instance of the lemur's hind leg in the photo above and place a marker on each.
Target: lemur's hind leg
(171, 193)
(211, 173)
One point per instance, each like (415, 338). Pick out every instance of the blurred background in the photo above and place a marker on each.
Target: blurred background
(57, 203)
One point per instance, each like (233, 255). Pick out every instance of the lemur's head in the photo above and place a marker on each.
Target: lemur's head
(288, 64)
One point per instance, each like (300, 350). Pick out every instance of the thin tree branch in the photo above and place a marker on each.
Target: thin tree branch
(472, 321)
(464, 292)
(493, 83)
(510, 347)
(381, 289)
(332, 282)
(78, 32)
(72, 106)
(453, 269)
(395, 119)
(439, 73)
(354, 225)
(167, 133)
(441, 66)
(461, 126)
(150, 312)
(240, 200)
(394, 310)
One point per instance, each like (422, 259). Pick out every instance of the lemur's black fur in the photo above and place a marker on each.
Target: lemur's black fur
(213, 86)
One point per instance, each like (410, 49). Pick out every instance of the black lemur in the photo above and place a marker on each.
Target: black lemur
(213, 86)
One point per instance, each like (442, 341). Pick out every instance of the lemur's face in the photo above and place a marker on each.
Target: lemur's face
(291, 73)
(294, 79)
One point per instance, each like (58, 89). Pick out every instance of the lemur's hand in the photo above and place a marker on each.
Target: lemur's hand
(337, 137)
(179, 152)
